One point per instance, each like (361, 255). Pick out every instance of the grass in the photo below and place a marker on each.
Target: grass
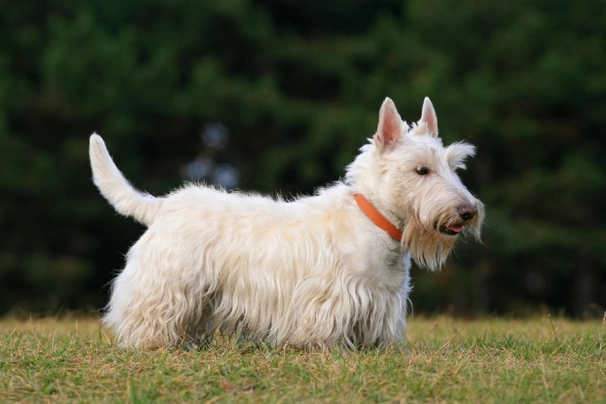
(445, 360)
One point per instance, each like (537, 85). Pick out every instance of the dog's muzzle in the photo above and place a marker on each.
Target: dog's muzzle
(466, 213)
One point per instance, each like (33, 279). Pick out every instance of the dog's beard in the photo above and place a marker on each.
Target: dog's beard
(429, 246)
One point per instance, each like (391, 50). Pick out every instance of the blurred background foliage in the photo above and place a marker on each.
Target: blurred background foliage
(295, 89)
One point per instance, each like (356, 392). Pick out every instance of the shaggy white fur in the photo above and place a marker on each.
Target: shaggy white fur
(314, 272)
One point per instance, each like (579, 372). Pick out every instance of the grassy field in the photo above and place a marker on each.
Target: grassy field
(445, 360)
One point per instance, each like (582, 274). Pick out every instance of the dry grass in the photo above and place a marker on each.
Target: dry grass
(445, 360)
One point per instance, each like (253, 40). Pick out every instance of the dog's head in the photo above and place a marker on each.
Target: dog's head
(411, 178)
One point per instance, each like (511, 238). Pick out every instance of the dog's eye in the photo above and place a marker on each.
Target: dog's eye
(422, 170)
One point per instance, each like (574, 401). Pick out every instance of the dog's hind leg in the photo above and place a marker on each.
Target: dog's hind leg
(154, 315)
(159, 299)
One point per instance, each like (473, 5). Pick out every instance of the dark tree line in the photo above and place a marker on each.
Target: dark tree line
(296, 87)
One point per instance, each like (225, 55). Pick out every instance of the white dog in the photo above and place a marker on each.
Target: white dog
(320, 271)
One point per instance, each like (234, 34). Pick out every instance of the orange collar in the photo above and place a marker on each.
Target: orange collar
(377, 218)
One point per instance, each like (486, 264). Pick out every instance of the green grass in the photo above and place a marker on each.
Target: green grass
(445, 360)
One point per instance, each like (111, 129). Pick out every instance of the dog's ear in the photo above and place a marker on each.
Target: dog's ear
(456, 154)
(429, 118)
(390, 126)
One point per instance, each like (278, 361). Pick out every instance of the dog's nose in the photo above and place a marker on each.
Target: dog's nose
(467, 212)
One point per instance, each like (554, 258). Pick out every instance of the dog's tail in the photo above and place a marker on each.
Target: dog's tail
(116, 189)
